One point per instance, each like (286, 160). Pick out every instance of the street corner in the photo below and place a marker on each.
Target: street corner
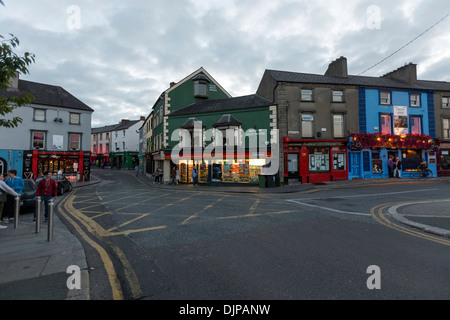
(431, 216)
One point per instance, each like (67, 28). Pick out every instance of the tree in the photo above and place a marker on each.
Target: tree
(10, 64)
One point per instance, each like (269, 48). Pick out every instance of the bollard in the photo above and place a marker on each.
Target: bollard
(38, 215)
(16, 212)
(51, 205)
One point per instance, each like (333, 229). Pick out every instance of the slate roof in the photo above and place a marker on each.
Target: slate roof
(237, 103)
(295, 77)
(227, 120)
(48, 95)
(115, 127)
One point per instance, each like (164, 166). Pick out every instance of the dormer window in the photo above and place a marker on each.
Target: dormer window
(201, 86)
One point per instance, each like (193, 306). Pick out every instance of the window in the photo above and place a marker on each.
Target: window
(445, 102)
(39, 115)
(123, 133)
(339, 162)
(416, 125)
(338, 125)
(386, 123)
(74, 118)
(75, 141)
(201, 89)
(414, 100)
(385, 98)
(123, 145)
(307, 125)
(38, 140)
(338, 96)
(306, 95)
(227, 136)
(446, 128)
(319, 159)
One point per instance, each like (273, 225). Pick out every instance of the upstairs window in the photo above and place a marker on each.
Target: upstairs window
(307, 95)
(338, 96)
(307, 125)
(445, 102)
(75, 142)
(39, 115)
(446, 128)
(416, 125)
(74, 118)
(38, 140)
(201, 86)
(386, 123)
(338, 125)
(414, 100)
(385, 98)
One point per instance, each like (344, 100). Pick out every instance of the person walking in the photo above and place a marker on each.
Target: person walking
(398, 168)
(17, 184)
(194, 176)
(4, 191)
(391, 166)
(47, 190)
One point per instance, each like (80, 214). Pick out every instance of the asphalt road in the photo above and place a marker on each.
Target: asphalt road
(146, 242)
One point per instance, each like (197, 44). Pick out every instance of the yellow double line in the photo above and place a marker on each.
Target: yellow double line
(96, 230)
(377, 215)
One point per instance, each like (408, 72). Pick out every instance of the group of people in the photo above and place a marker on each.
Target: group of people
(12, 186)
(174, 176)
(395, 167)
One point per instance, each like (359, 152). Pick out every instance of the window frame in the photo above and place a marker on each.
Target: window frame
(304, 121)
(341, 95)
(446, 105)
(34, 114)
(446, 131)
(391, 128)
(415, 117)
(44, 139)
(71, 119)
(389, 93)
(419, 100)
(303, 95)
(342, 118)
(79, 141)
(198, 84)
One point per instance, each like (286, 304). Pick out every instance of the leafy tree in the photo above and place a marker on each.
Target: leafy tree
(10, 63)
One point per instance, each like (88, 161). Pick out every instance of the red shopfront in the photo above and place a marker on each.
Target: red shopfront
(315, 161)
(444, 159)
(74, 165)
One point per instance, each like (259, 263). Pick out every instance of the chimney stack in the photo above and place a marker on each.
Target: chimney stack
(14, 83)
(338, 68)
(407, 74)
(124, 121)
(142, 118)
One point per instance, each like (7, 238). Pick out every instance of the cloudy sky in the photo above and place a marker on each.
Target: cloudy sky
(118, 56)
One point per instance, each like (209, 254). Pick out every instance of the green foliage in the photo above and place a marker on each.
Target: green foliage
(10, 63)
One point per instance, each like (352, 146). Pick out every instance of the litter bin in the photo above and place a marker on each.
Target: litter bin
(262, 181)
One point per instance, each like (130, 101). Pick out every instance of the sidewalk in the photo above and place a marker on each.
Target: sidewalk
(32, 268)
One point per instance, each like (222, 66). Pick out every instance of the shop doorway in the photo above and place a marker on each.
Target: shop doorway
(355, 164)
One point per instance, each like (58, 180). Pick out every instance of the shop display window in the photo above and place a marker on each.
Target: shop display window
(445, 159)
(411, 159)
(319, 159)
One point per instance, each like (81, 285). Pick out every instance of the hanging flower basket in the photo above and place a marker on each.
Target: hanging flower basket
(377, 140)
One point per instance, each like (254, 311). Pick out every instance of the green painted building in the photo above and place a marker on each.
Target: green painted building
(196, 87)
(226, 140)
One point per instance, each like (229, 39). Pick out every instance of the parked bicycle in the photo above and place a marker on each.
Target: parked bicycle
(422, 171)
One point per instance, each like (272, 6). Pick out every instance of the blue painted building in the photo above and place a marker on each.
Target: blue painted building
(394, 108)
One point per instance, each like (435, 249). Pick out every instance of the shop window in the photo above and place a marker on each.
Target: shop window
(414, 100)
(319, 159)
(75, 141)
(339, 163)
(307, 125)
(386, 123)
(446, 128)
(411, 159)
(416, 125)
(338, 125)
(292, 162)
(39, 115)
(38, 140)
(445, 160)
(377, 163)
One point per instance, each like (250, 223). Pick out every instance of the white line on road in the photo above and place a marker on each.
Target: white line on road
(330, 209)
